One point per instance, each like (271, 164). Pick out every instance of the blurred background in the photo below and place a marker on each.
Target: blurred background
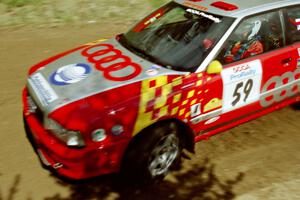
(58, 12)
(257, 160)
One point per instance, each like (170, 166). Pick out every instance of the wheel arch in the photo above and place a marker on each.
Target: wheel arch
(184, 130)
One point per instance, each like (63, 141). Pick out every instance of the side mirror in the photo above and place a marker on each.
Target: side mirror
(215, 67)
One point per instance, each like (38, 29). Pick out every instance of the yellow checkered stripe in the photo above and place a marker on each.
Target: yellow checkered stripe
(159, 98)
(148, 94)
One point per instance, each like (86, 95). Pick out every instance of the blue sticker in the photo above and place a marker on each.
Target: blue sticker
(70, 74)
(298, 62)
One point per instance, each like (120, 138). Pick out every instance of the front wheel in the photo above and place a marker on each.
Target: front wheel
(163, 155)
(152, 154)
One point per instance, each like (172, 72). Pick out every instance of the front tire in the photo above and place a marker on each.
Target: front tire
(153, 153)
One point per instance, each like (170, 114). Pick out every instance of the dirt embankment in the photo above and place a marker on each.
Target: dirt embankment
(258, 160)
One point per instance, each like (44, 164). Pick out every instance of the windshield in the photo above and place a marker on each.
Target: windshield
(176, 37)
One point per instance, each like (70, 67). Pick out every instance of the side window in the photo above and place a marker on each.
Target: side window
(292, 21)
(254, 35)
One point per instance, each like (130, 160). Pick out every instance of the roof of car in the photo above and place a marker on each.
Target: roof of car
(243, 7)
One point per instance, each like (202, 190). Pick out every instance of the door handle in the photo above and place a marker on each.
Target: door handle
(286, 61)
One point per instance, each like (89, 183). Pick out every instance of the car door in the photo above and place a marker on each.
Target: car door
(253, 57)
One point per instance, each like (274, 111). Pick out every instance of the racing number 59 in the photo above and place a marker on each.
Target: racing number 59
(246, 89)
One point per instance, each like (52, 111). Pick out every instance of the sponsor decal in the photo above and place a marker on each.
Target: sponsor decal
(197, 12)
(242, 85)
(114, 65)
(153, 70)
(242, 75)
(70, 74)
(212, 120)
(298, 62)
(213, 104)
(277, 89)
(241, 71)
(195, 110)
(42, 89)
(207, 116)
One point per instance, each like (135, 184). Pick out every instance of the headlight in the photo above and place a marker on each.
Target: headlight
(71, 138)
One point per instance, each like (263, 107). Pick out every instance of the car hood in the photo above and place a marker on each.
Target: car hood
(87, 71)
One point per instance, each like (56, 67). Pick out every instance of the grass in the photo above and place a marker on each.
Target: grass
(52, 12)
(156, 3)
(18, 3)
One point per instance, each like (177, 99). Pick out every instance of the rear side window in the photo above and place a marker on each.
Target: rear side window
(255, 35)
(292, 21)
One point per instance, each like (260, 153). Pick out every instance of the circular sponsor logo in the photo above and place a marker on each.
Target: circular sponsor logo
(70, 74)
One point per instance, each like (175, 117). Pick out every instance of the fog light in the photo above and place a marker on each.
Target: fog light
(117, 130)
(98, 135)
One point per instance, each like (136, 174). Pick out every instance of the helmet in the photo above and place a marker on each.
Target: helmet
(255, 29)
(248, 29)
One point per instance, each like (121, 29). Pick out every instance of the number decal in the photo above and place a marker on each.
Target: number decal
(241, 85)
(236, 94)
(110, 60)
(247, 90)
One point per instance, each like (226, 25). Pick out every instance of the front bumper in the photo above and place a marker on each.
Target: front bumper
(72, 163)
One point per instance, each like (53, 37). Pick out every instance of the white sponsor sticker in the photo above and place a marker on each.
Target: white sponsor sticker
(42, 89)
(195, 110)
(241, 85)
(212, 120)
(197, 12)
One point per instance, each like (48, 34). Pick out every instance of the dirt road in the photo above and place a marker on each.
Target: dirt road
(258, 160)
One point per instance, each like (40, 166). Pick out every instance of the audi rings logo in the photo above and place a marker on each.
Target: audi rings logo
(70, 74)
(114, 65)
(280, 87)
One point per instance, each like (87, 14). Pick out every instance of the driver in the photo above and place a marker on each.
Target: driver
(249, 44)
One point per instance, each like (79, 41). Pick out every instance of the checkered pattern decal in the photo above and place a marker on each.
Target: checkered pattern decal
(166, 96)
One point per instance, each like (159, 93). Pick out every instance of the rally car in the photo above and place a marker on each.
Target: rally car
(189, 70)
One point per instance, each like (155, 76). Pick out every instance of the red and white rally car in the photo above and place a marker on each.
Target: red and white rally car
(189, 70)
